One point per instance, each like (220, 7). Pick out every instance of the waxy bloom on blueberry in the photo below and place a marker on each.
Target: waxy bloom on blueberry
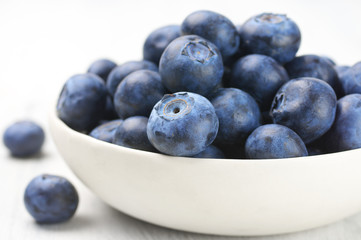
(192, 64)
(274, 141)
(24, 138)
(214, 27)
(51, 199)
(182, 124)
(274, 35)
(82, 101)
(307, 106)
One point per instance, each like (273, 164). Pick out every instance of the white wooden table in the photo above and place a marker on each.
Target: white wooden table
(42, 43)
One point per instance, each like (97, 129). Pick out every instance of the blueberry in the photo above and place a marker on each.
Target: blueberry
(274, 35)
(307, 106)
(138, 93)
(214, 27)
(24, 138)
(274, 141)
(259, 75)
(102, 68)
(316, 67)
(182, 124)
(82, 101)
(191, 63)
(345, 132)
(238, 115)
(51, 199)
(132, 133)
(210, 152)
(158, 40)
(229, 61)
(351, 79)
(106, 131)
(120, 72)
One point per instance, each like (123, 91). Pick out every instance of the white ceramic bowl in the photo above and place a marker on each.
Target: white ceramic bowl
(215, 196)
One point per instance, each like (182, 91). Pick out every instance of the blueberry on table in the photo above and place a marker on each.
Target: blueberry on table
(138, 93)
(316, 67)
(120, 72)
(259, 75)
(158, 40)
(82, 101)
(351, 79)
(182, 124)
(238, 115)
(214, 27)
(307, 106)
(51, 199)
(132, 133)
(210, 152)
(24, 138)
(191, 64)
(345, 132)
(274, 141)
(102, 68)
(106, 131)
(274, 35)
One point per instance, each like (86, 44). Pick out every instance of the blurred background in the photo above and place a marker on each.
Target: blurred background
(43, 43)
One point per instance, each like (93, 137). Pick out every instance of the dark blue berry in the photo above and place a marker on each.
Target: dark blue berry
(238, 115)
(158, 40)
(259, 75)
(274, 35)
(82, 102)
(138, 93)
(182, 124)
(102, 68)
(351, 79)
(214, 27)
(345, 132)
(132, 133)
(120, 72)
(274, 141)
(24, 138)
(191, 63)
(316, 67)
(51, 199)
(307, 106)
(106, 131)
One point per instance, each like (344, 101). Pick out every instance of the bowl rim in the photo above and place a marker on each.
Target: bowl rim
(53, 116)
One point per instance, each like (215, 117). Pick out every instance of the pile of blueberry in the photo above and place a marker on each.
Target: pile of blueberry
(211, 89)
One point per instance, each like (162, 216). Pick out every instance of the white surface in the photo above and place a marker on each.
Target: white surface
(215, 196)
(42, 43)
